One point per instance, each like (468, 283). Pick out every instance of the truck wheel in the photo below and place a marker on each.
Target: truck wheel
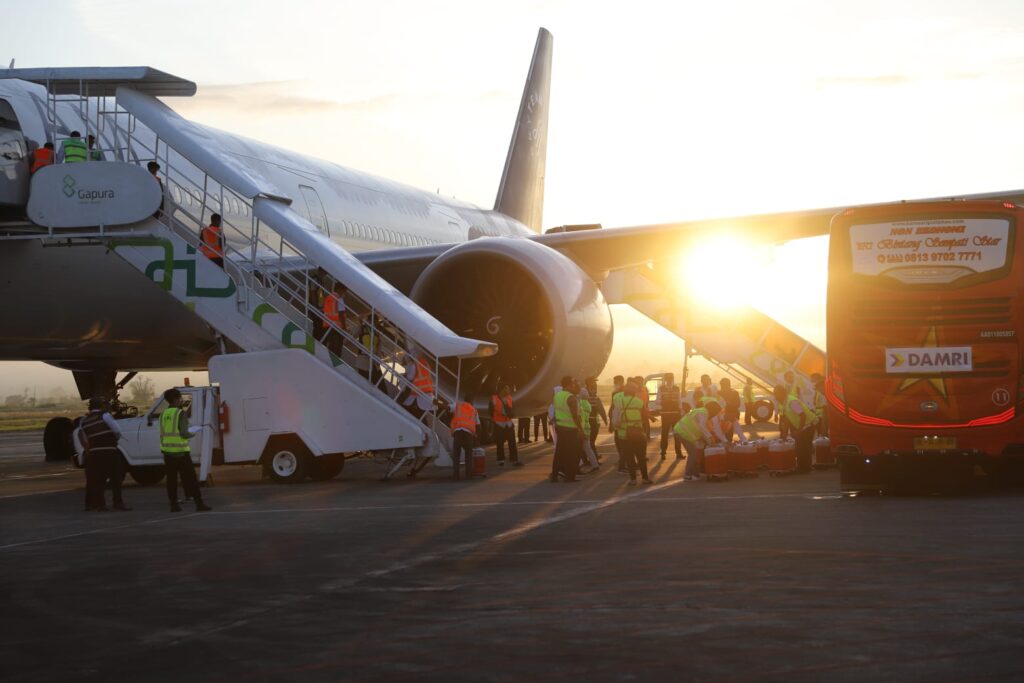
(147, 475)
(57, 439)
(287, 462)
(326, 466)
(763, 411)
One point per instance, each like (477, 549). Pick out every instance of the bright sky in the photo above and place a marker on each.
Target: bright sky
(660, 111)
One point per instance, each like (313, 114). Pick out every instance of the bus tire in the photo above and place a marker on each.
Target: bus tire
(286, 459)
(326, 466)
(147, 475)
(57, 444)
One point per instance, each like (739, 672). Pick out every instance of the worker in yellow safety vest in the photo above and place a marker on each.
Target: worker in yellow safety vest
(629, 426)
(588, 454)
(820, 404)
(800, 421)
(694, 430)
(748, 400)
(568, 431)
(73, 150)
(465, 419)
(174, 436)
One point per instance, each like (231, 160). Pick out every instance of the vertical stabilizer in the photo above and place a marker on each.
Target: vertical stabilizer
(521, 193)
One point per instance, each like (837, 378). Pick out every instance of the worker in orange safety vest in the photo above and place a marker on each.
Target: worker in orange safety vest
(463, 427)
(212, 245)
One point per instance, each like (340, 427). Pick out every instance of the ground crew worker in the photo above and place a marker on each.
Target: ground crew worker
(588, 452)
(748, 400)
(212, 245)
(43, 156)
(504, 426)
(174, 436)
(540, 425)
(597, 412)
(820, 404)
(366, 364)
(671, 407)
(102, 458)
(800, 420)
(73, 150)
(419, 399)
(694, 430)
(707, 387)
(569, 432)
(731, 400)
(465, 419)
(629, 426)
(334, 319)
(618, 387)
(645, 396)
(94, 154)
(524, 430)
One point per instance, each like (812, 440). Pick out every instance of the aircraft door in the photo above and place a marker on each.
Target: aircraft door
(14, 167)
(315, 209)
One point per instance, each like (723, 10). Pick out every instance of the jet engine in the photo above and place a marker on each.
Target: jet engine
(548, 318)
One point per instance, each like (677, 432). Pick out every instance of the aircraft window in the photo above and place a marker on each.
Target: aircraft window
(378, 235)
(176, 194)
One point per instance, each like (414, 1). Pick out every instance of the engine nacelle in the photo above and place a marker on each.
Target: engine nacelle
(548, 318)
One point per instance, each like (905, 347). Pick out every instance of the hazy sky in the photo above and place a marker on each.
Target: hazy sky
(660, 111)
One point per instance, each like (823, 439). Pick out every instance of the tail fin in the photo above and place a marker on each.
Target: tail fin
(521, 193)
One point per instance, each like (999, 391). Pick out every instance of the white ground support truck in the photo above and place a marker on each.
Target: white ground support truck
(258, 410)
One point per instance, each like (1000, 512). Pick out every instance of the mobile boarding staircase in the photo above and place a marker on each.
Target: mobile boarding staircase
(740, 341)
(266, 300)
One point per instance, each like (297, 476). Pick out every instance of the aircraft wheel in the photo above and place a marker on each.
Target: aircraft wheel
(326, 466)
(57, 439)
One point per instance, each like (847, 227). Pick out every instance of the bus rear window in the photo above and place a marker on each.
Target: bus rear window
(930, 251)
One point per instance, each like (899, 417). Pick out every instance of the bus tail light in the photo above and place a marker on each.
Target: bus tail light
(834, 391)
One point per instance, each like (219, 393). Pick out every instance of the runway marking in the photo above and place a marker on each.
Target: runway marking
(91, 532)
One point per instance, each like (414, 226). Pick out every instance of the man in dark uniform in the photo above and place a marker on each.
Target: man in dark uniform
(174, 436)
(671, 408)
(102, 458)
(524, 430)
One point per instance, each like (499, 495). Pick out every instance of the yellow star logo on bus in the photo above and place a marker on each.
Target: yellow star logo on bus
(938, 383)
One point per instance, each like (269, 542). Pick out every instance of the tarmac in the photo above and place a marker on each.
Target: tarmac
(507, 578)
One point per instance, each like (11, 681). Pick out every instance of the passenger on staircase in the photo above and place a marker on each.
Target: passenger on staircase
(43, 156)
(153, 167)
(213, 241)
(73, 150)
(504, 426)
(334, 319)
(463, 427)
(94, 154)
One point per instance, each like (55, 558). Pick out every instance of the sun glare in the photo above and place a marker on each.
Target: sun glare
(718, 273)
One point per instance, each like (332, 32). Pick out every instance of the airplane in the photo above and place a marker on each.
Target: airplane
(487, 274)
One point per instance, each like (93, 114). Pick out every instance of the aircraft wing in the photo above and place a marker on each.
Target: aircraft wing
(598, 251)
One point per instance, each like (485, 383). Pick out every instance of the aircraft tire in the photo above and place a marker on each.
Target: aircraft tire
(326, 466)
(57, 444)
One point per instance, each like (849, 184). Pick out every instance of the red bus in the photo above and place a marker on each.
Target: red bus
(924, 323)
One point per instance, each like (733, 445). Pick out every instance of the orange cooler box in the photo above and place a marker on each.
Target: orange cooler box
(716, 461)
(744, 458)
(479, 462)
(823, 456)
(782, 455)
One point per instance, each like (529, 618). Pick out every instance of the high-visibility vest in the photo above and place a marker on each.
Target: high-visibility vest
(563, 415)
(171, 440)
(464, 418)
(793, 417)
(631, 415)
(748, 393)
(75, 150)
(819, 403)
(331, 309)
(42, 157)
(423, 381)
(705, 400)
(211, 242)
(585, 416)
(498, 412)
(95, 155)
(687, 427)
(646, 397)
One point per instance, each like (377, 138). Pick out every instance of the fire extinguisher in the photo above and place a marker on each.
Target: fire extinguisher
(225, 418)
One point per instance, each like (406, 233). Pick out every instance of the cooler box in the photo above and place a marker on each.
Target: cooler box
(823, 455)
(782, 456)
(762, 452)
(743, 458)
(479, 462)
(716, 461)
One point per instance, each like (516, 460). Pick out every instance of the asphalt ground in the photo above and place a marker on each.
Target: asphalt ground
(508, 578)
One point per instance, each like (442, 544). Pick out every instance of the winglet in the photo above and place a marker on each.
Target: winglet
(521, 193)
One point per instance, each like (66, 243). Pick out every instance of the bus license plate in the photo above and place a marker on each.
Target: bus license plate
(934, 443)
